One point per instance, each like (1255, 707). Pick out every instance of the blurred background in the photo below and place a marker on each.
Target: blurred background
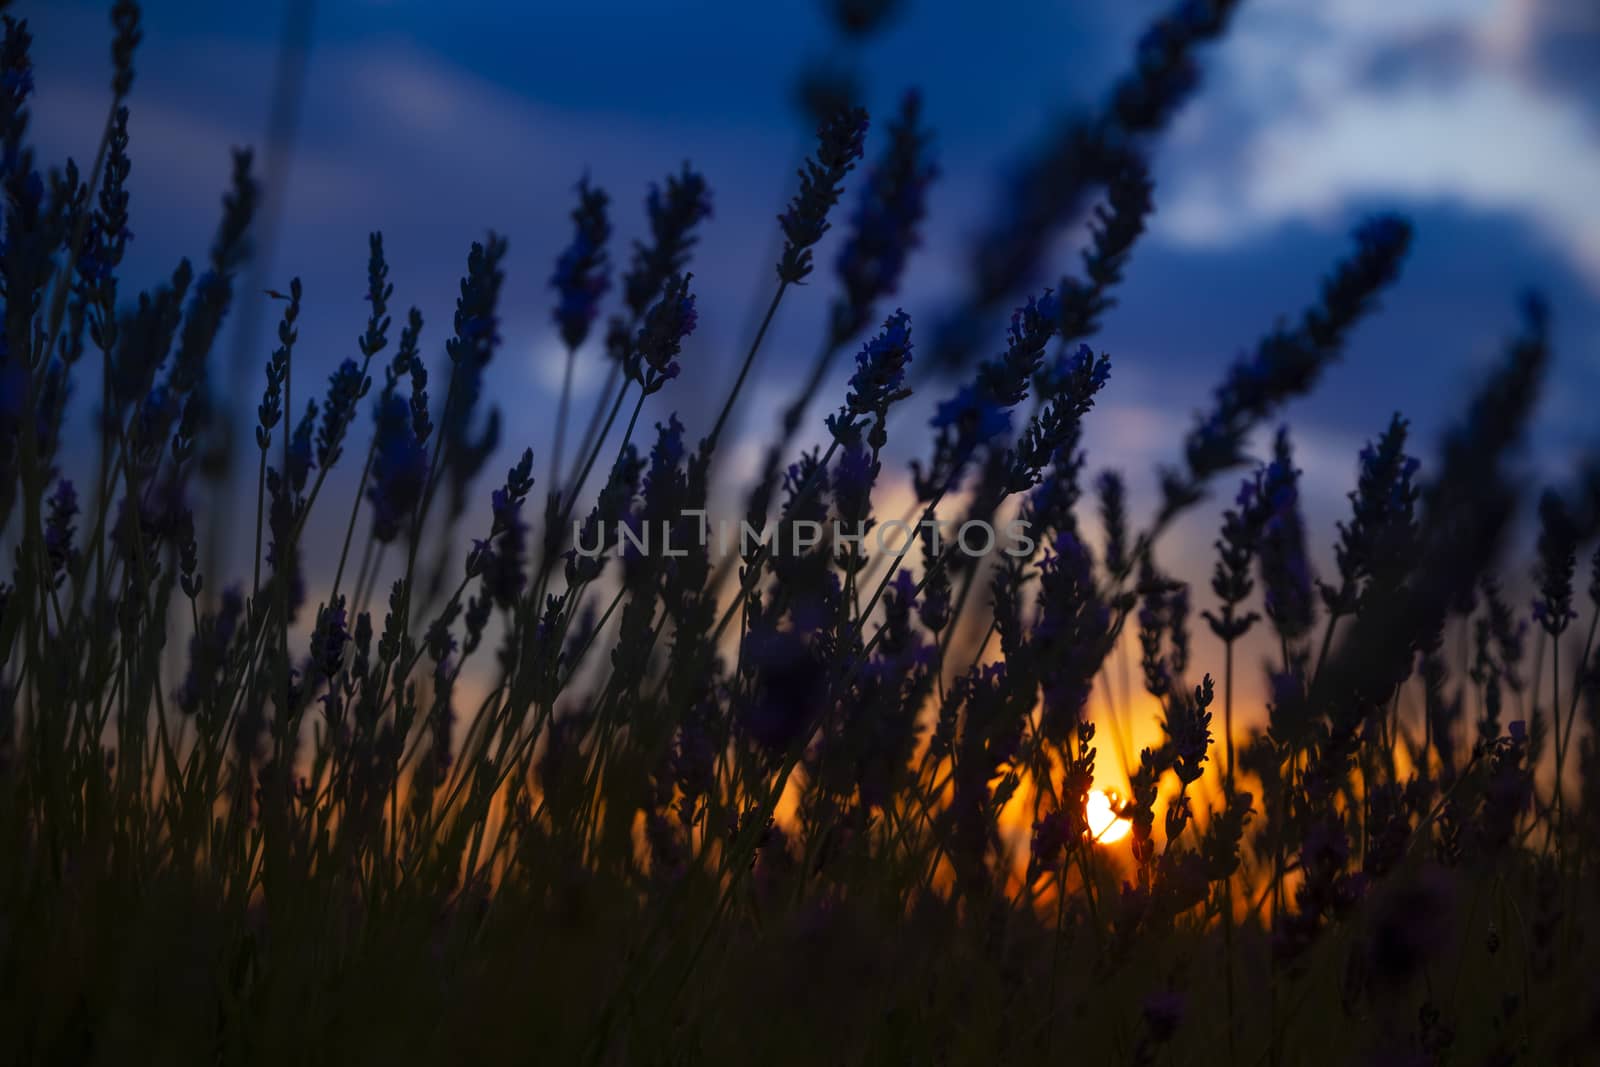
(1480, 119)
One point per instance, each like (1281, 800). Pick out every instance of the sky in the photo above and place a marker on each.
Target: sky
(1479, 119)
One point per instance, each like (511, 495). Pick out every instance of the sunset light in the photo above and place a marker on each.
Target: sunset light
(840, 531)
(1104, 822)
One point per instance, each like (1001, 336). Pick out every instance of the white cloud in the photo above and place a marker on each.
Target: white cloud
(1389, 17)
(1325, 135)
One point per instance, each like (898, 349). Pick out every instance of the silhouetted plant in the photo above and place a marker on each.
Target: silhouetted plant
(734, 797)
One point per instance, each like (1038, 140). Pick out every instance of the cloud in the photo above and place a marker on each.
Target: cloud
(1493, 145)
(1472, 126)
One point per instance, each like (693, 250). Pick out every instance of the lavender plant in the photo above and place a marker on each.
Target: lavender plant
(596, 787)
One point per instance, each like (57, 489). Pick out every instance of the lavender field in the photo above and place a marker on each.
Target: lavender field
(821, 664)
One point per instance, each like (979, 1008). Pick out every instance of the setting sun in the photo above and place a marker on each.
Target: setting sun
(1104, 822)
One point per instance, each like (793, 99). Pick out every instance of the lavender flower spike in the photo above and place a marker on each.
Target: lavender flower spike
(583, 273)
(653, 361)
(884, 227)
(839, 142)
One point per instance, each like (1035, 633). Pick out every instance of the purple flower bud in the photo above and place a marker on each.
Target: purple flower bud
(1557, 562)
(58, 527)
(399, 469)
(346, 387)
(329, 638)
(674, 212)
(653, 359)
(972, 416)
(884, 226)
(839, 143)
(880, 369)
(582, 274)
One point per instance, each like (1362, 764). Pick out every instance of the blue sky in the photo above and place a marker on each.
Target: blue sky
(435, 122)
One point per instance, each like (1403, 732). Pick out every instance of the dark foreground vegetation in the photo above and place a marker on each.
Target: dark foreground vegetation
(433, 785)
